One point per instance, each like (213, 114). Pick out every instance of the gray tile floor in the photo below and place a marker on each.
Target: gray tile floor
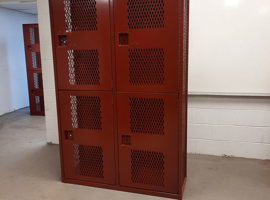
(30, 170)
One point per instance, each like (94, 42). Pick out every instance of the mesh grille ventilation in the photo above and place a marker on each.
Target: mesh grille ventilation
(32, 35)
(147, 167)
(147, 116)
(83, 67)
(88, 160)
(86, 112)
(80, 15)
(146, 66)
(37, 101)
(143, 14)
(36, 80)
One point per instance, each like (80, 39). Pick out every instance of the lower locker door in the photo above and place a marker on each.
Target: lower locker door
(87, 136)
(148, 141)
(36, 92)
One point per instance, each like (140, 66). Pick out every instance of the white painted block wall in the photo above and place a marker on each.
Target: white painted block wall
(13, 78)
(47, 71)
(234, 126)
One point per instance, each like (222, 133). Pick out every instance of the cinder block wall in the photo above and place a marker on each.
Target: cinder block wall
(233, 126)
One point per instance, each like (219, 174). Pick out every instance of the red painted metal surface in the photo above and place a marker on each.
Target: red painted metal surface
(121, 80)
(33, 67)
(87, 121)
(148, 62)
(83, 45)
(150, 160)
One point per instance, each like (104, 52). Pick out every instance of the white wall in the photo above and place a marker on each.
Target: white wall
(13, 78)
(47, 71)
(235, 126)
(229, 47)
(232, 126)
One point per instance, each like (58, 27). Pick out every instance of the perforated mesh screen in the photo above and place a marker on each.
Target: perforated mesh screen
(83, 67)
(36, 81)
(147, 167)
(88, 160)
(80, 15)
(32, 35)
(37, 101)
(36, 60)
(146, 66)
(145, 14)
(86, 112)
(147, 115)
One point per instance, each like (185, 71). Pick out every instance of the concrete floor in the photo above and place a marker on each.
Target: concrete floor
(30, 170)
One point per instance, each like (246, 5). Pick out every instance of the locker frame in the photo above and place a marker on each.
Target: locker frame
(182, 94)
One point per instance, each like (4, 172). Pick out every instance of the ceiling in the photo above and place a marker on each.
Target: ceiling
(26, 6)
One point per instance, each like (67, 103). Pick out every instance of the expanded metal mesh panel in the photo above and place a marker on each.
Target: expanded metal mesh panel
(147, 167)
(83, 67)
(147, 115)
(36, 60)
(146, 66)
(38, 103)
(80, 15)
(145, 14)
(88, 160)
(32, 35)
(36, 80)
(86, 112)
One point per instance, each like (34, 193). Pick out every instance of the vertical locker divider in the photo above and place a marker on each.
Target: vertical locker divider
(180, 99)
(114, 88)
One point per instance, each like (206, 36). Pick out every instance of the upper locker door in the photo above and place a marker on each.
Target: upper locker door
(83, 44)
(147, 37)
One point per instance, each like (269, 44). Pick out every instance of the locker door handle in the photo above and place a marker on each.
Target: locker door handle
(62, 40)
(126, 139)
(29, 47)
(68, 135)
(123, 39)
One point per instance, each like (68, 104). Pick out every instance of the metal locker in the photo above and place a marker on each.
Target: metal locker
(33, 66)
(121, 81)
(149, 159)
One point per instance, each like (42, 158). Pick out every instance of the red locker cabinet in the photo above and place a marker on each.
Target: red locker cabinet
(121, 82)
